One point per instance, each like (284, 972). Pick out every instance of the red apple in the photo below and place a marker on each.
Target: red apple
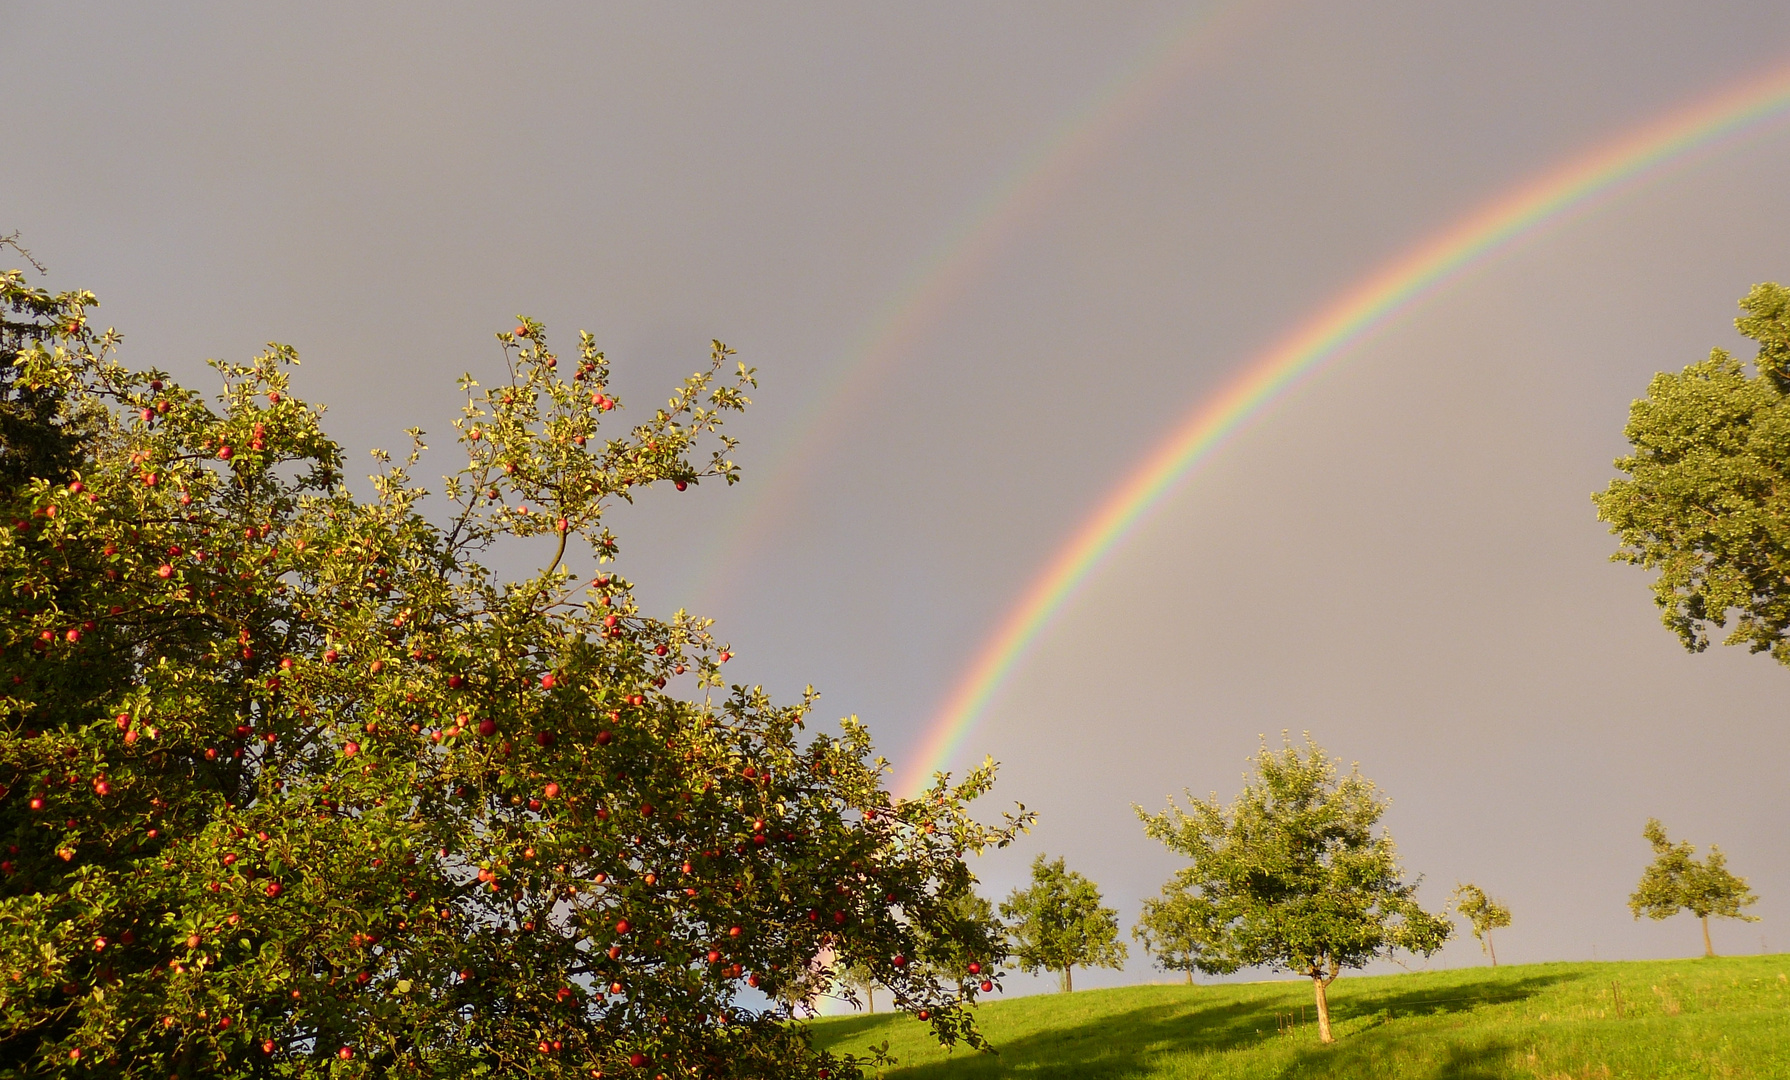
(987, 986)
(487, 727)
(225, 453)
(622, 927)
(345, 1053)
(164, 571)
(351, 749)
(975, 968)
(552, 791)
(548, 681)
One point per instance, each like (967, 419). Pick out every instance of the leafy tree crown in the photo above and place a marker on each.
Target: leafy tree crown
(1483, 914)
(1058, 922)
(1676, 880)
(1293, 875)
(292, 784)
(1706, 492)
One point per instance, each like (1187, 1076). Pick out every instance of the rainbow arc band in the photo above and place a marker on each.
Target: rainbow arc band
(1025, 195)
(1557, 196)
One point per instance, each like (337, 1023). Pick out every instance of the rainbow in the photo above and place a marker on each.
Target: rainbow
(1682, 136)
(936, 283)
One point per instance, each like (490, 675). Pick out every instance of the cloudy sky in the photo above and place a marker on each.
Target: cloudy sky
(985, 257)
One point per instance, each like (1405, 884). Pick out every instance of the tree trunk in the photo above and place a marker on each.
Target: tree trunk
(1189, 976)
(1068, 978)
(1708, 950)
(1318, 983)
(1490, 951)
(870, 998)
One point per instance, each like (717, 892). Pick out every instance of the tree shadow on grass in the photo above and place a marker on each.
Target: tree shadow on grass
(1479, 1061)
(1124, 1044)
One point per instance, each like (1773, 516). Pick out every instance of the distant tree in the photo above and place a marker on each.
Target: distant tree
(1708, 488)
(1292, 875)
(859, 979)
(1676, 881)
(1059, 924)
(1483, 915)
(947, 954)
(1171, 933)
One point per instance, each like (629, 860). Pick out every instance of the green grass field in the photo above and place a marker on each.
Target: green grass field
(1647, 1019)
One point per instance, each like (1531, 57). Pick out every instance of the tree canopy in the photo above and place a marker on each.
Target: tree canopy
(1059, 924)
(1293, 875)
(1676, 880)
(1483, 915)
(291, 784)
(1706, 498)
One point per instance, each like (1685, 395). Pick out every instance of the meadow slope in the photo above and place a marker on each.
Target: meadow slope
(1727, 1017)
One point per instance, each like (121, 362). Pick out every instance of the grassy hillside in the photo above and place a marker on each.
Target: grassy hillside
(1728, 1017)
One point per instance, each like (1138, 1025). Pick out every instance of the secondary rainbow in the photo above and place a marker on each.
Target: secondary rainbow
(940, 281)
(1679, 137)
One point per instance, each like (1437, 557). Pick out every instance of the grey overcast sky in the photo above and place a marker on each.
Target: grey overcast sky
(1400, 557)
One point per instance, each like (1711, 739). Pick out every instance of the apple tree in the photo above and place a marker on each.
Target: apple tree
(293, 784)
(1293, 875)
(1676, 880)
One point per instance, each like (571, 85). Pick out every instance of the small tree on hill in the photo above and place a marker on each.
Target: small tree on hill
(1292, 875)
(859, 979)
(1676, 881)
(1058, 924)
(1483, 915)
(1171, 934)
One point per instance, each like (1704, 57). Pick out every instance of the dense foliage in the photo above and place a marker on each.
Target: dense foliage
(1676, 880)
(1059, 924)
(1292, 875)
(1705, 501)
(292, 785)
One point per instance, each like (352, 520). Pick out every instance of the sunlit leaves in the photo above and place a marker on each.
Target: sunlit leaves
(336, 799)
